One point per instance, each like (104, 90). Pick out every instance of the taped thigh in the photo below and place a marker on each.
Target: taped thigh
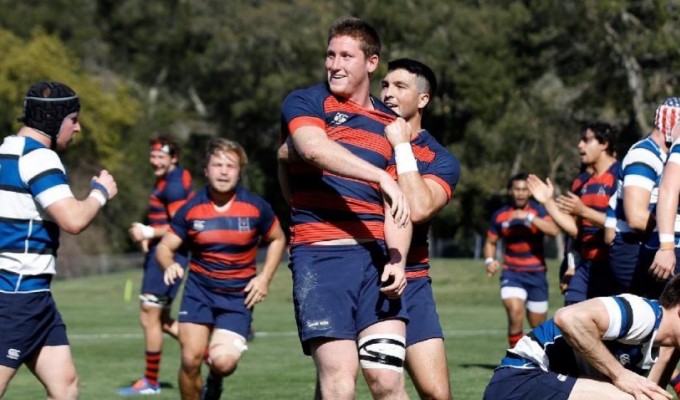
(155, 301)
(382, 351)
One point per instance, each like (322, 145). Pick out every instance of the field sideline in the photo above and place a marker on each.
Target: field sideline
(107, 340)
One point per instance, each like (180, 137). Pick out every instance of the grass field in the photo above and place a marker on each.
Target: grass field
(108, 349)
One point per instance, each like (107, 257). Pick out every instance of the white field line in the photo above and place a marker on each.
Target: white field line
(260, 334)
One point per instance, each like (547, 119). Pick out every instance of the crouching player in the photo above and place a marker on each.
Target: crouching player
(222, 226)
(601, 348)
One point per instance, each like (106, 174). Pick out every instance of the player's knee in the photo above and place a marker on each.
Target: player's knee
(383, 383)
(68, 390)
(337, 387)
(170, 327)
(192, 359)
(436, 392)
(224, 365)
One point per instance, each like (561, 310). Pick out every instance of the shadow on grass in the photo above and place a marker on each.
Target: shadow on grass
(482, 366)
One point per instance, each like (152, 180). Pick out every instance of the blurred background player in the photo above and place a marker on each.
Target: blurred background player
(222, 226)
(173, 187)
(522, 225)
(407, 89)
(350, 227)
(36, 203)
(581, 213)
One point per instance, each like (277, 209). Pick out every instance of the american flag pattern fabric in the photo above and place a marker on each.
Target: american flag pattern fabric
(667, 115)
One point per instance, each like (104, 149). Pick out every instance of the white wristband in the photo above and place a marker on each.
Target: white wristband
(97, 195)
(147, 231)
(530, 218)
(666, 237)
(406, 161)
(488, 261)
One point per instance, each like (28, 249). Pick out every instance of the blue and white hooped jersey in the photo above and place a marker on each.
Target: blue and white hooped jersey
(633, 324)
(674, 157)
(641, 167)
(32, 178)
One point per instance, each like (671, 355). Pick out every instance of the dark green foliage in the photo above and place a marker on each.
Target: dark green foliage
(516, 80)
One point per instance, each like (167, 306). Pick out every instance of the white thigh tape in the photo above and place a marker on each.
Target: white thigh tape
(382, 351)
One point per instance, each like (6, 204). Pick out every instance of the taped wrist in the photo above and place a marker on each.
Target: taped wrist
(406, 161)
(94, 185)
(97, 195)
(147, 231)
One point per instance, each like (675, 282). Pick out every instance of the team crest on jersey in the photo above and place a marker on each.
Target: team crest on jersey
(13, 354)
(339, 119)
(505, 224)
(199, 225)
(624, 359)
(243, 224)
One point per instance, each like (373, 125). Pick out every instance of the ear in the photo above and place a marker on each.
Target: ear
(423, 100)
(372, 63)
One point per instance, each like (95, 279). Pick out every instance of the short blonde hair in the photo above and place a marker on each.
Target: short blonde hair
(219, 145)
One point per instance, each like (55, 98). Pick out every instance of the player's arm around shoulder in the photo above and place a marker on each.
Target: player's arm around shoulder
(73, 215)
(316, 148)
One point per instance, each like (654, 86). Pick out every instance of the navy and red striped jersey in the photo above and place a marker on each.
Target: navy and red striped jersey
(223, 244)
(435, 162)
(325, 206)
(595, 192)
(169, 194)
(523, 241)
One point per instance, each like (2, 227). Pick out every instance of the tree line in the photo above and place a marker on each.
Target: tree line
(517, 79)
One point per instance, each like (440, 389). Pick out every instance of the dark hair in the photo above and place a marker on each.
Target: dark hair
(670, 297)
(517, 177)
(164, 143)
(367, 36)
(604, 133)
(419, 69)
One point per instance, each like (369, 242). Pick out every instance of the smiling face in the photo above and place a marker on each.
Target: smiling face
(161, 162)
(348, 69)
(402, 93)
(223, 171)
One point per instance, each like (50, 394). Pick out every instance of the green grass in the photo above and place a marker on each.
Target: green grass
(108, 348)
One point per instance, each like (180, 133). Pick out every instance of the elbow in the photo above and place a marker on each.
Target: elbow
(558, 318)
(419, 216)
(73, 228)
(310, 155)
(637, 223)
(562, 318)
